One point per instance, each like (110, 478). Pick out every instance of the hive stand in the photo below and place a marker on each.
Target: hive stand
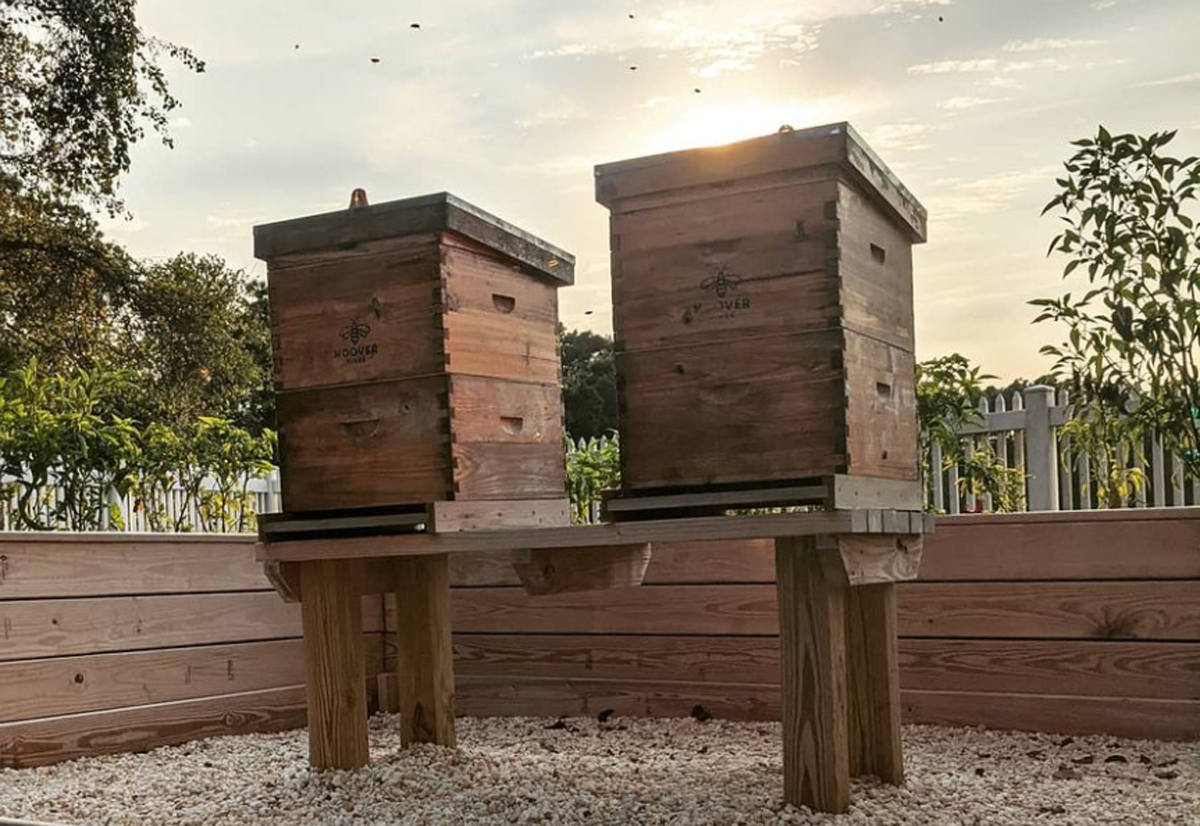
(836, 574)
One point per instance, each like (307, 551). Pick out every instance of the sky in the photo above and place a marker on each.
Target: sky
(510, 104)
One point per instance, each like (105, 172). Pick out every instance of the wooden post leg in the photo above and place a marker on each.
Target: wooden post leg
(424, 653)
(812, 585)
(873, 683)
(335, 663)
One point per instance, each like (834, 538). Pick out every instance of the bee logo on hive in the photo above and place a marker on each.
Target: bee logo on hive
(721, 285)
(356, 352)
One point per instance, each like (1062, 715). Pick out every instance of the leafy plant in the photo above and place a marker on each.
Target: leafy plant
(1132, 349)
(54, 435)
(229, 457)
(593, 466)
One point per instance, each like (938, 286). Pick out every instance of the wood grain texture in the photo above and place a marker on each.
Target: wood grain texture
(335, 666)
(491, 410)
(373, 444)
(477, 279)
(55, 686)
(873, 683)
(1131, 544)
(1116, 716)
(872, 560)
(53, 740)
(548, 571)
(1112, 610)
(87, 565)
(812, 589)
(881, 409)
(1051, 667)
(56, 628)
(424, 654)
(792, 383)
(474, 515)
(495, 345)
(391, 299)
(498, 470)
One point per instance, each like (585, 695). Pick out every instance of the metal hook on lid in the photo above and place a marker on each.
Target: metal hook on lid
(358, 198)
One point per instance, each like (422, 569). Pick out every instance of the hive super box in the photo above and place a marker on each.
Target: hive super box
(416, 356)
(763, 312)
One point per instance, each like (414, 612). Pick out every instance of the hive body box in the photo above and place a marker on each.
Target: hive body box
(416, 356)
(762, 305)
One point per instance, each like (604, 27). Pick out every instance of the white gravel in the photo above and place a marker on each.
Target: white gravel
(678, 772)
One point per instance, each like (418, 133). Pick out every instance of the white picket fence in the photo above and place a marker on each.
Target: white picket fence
(264, 493)
(1024, 431)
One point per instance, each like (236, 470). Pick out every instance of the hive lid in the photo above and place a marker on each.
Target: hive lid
(346, 228)
(833, 145)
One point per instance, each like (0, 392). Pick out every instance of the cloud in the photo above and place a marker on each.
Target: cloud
(964, 102)
(943, 67)
(1043, 44)
(1177, 80)
(180, 123)
(901, 137)
(980, 196)
(563, 111)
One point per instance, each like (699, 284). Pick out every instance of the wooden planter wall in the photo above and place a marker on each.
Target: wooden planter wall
(1065, 622)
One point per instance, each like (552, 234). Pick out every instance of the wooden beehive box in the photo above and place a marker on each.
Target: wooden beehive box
(763, 312)
(416, 356)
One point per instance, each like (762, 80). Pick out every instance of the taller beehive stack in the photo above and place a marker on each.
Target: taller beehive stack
(416, 356)
(762, 306)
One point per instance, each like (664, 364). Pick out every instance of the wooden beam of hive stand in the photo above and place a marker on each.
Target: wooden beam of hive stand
(335, 666)
(552, 571)
(808, 523)
(812, 585)
(424, 653)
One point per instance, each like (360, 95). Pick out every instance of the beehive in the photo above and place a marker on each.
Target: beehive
(763, 315)
(416, 356)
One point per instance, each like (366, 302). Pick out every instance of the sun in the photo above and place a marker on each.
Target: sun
(716, 125)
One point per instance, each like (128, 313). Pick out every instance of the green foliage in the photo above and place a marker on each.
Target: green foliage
(949, 390)
(1109, 440)
(53, 432)
(1133, 335)
(593, 466)
(63, 288)
(81, 83)
(70, 457)
(589, 384)
(198, 336)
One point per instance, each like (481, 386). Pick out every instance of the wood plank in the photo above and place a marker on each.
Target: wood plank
(661, 659)
(808, 523)
(1113, 610)
(873, 683)
(425, 660)
(1131, 544)
(477, 279)
(812, 646)
(1166, 671)
(881, 409)
(53, 740)
(372, 444)
(497, 470)
(335, 666)
(57, 628)
(71, 685)
(871, 560)
(497, 346)
(698, 562)
(493, 410)
(681, 609)
(548, 571)
(390, 298)
(36, 565)
(470, 515)
(1115, 716)
(792, 382)
(1154, 670)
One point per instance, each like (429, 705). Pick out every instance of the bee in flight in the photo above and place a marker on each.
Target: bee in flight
(721, 283)
(356, 331)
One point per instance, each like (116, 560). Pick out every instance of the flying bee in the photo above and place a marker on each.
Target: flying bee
(721, 283)
(356, 331)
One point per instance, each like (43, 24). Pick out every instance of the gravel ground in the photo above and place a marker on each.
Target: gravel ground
(581, 771)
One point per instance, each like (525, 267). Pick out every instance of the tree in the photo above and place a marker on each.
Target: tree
(1132, 350)
(63, 287)
(589, 384)
(197, 335)
(81, 83)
